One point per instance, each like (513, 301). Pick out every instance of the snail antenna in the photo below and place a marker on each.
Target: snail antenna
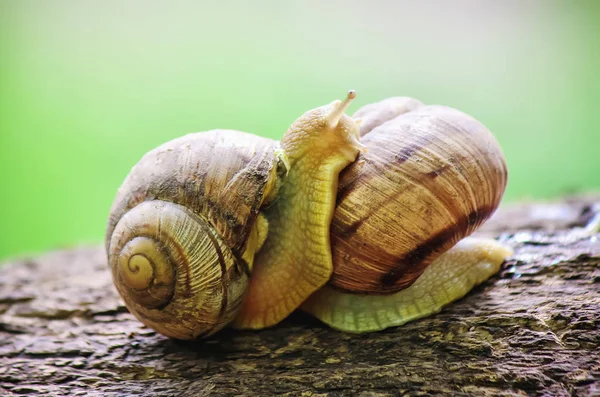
(339, 109)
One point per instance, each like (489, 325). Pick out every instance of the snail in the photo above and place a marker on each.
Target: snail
(362, 221)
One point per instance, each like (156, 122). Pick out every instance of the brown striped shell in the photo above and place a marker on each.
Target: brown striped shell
(179, 229)
(432, 176)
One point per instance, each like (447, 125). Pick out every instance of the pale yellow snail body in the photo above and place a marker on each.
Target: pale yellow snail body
(225, 227)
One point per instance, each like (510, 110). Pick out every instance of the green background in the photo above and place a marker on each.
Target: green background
(87, 87)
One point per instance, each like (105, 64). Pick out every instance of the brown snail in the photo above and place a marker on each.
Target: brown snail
(363, 226)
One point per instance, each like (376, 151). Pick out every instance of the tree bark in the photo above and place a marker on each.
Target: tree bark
(533, 329)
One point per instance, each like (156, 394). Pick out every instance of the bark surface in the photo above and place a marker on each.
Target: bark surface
(533, 329)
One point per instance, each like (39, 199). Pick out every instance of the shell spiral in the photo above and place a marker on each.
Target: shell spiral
(179, 237)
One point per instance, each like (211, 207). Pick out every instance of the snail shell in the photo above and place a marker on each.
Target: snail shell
(185, 226)
(432, 175)
(188, 220)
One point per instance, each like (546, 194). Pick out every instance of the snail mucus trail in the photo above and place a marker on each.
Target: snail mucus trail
(365, 225)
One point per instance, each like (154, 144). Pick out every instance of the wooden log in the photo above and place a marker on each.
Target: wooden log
(533, 329)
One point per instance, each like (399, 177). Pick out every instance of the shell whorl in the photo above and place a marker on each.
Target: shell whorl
(178, 239)
(173, 270)
(145, 268)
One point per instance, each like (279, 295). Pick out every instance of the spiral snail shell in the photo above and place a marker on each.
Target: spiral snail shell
(354, 219)
(184, 229)
(432, 157)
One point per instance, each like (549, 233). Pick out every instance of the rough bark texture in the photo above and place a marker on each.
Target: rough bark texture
(533, 329)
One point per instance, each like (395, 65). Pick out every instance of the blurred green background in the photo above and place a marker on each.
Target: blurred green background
(87, 87)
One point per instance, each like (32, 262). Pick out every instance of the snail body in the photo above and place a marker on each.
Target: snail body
(296, 259)
(362, 223)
